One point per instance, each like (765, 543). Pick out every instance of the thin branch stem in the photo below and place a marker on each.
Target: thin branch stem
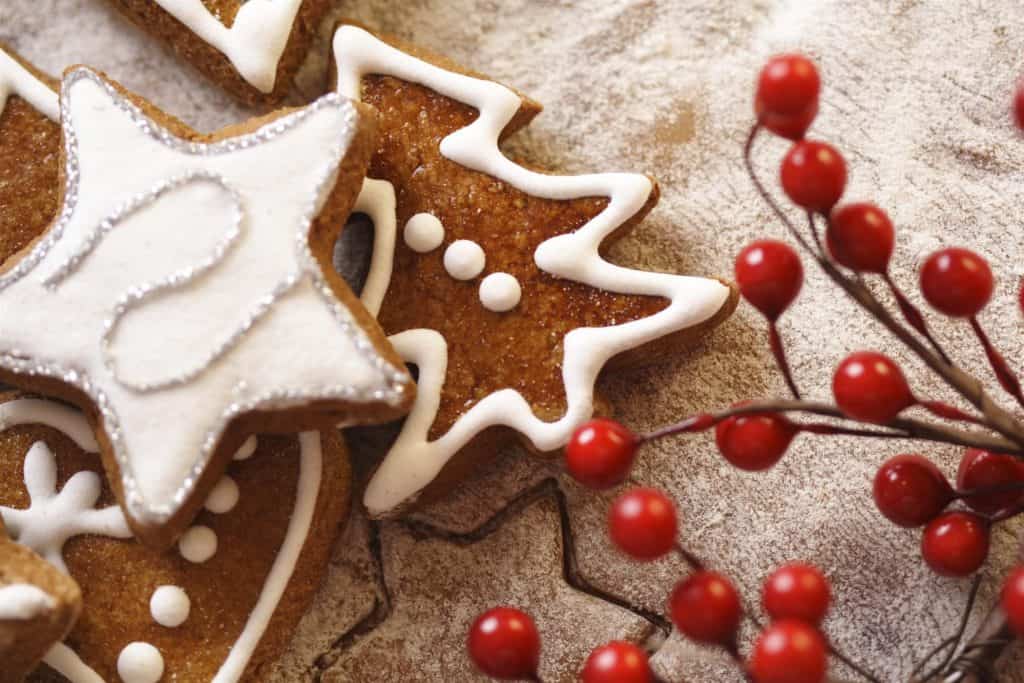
(914, 318)
(1007, 379)
(967, 386)
(901, 427)
(959, 635)
(779, 351)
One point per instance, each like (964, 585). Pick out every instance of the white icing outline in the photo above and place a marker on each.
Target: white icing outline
(254, 43)
(66, 662)
(413, 461)
(17, 80)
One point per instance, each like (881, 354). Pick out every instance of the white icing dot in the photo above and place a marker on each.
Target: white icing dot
(170, 606)
(500, 292)
(140, 663)
(464, 259)
(224, 496)
(198, 544)
(424, 232)
(247, 449)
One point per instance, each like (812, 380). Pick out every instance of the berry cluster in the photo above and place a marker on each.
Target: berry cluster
(869, 391)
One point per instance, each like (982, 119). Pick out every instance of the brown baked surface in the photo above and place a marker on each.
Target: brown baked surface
(521, 349)
(151, 18)
(24, 643)
(323, 414)
(118, 577)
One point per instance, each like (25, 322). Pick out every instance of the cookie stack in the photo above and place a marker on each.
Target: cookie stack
(172, 474)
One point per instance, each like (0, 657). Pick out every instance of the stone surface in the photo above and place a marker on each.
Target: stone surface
(916, 95)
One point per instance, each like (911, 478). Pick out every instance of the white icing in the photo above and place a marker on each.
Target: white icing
(247, 449)
(464, 259)
(500, 292)
(70, 422)
(413, 461)
(66, 662)
(377, 201)
(17, 80)
(54, 518)
(198, 544)
(170, 606)
(224, 496)
(23, 601)
(424, 233)
(281, 177)
(310, 474)
(140, 663)
(254, 43)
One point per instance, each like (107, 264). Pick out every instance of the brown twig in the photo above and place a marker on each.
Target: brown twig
(901, 427)
(966, 385)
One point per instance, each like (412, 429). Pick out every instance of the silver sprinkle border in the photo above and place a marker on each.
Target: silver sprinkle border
(394, 382)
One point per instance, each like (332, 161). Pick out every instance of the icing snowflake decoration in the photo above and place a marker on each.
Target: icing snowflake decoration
(186, 291)
(53, 518)
(414, 461)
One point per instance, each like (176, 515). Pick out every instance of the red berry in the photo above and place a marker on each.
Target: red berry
(1018, 105)
(911, 491)
(504, 644)
(754, 442)
(600, 454)
(617, 662)
(797, 591)
(869, 387)
(770, 276)
(813, 175)
(981, 469)
(642, 523)
(957, 282)
(705, 607)
(789, 651)
(861, 237)
(1013, 600)
(787, 95)
(956, 544)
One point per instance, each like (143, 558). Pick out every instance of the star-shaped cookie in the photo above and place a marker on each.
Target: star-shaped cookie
(181, 297)
(489, 276)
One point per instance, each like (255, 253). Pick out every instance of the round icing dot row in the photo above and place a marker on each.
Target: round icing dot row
(224, 496)
(140, 663)
(464, 259)
(500, 292)
(424, 233)
(198, 544)
(170, 606)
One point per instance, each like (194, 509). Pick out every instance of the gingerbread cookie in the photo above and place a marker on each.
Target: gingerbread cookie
(222, 604)
(489, 276)
(251, 48)
(38, 606)
(191, 277)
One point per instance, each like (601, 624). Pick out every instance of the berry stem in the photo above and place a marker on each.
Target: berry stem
(967, 386)
(948, 412)
(695, 562)
(901, 427)
(1004, 374)
(989, 490)
(779, 351)
(914, 318)
(812, 226)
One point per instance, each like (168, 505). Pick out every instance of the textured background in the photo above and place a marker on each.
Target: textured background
(915, 94)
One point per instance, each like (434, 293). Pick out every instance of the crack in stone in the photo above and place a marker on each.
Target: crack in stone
(545, 489)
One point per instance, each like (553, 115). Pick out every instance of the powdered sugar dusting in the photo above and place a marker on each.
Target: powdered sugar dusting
(915, 93)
